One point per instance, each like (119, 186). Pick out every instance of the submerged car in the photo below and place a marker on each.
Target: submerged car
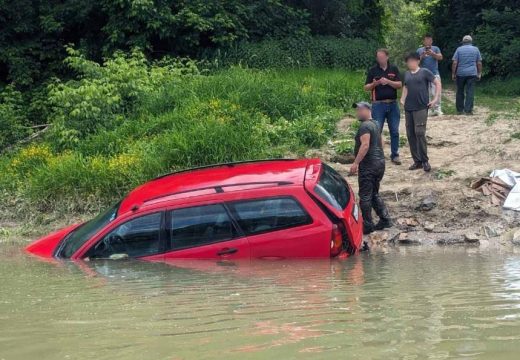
(271, 209)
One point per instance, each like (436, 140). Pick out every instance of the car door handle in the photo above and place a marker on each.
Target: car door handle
(227, 251)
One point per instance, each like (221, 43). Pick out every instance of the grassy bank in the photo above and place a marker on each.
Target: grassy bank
(120, 124)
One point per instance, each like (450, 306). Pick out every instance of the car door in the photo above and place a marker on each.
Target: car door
(204, 232)
(139, 237)
(281, 227)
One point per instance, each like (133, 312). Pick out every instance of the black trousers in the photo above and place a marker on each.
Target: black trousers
(369, 182)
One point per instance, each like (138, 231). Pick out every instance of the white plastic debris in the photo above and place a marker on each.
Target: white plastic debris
(512, 179)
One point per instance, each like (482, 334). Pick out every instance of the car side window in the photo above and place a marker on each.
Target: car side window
(258, 216)
(135, 238)
(200, 225)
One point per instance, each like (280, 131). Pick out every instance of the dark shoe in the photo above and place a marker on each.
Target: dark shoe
(396, 160)
(416, 166)
(384, 224)
(426, 166)
(460, 113)
(368, 228)
(469, 113)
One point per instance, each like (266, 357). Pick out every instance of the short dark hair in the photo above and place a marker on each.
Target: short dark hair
(412, 55)
(427, 36)
(383, 50)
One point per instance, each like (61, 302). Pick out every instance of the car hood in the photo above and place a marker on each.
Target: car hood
(45, 246)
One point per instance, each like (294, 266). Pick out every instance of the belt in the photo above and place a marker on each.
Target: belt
(387, 101)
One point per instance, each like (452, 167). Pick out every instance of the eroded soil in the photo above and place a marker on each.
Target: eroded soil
(440, 207)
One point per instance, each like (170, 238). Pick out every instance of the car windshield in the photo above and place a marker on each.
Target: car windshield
(333, 188)
(79, 236)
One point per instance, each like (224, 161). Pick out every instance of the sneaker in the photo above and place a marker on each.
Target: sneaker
(440, 113)
(433, 113)
(383, 224)
(415, 166)
(396, 160)
(460, 113)
(426, 166)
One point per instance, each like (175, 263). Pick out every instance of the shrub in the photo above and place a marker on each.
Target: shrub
(169, 117)
(319, 52)
(13, 119)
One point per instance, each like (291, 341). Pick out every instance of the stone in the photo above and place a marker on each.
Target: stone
(492, 231)
(429, 226)
(411, 222)
(450, 239)
(471, 238)
(378, 237)
(516, 237)
(427, 204)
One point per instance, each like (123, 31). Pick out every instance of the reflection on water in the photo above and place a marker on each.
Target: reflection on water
(412, 304)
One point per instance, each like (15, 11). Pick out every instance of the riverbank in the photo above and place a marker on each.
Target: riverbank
(440, 208)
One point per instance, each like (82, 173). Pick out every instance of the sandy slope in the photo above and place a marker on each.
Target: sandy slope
(469, 149)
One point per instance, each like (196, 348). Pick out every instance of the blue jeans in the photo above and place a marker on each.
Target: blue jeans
(390, 112)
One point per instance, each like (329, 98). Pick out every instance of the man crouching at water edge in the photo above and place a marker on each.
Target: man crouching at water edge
(416, 101)
(370, 164)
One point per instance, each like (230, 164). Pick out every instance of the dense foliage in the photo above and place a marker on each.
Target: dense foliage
(116, 125)
(35, 32)
(321, 52)
(494, 24)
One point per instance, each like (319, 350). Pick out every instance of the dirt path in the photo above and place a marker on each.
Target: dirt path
(461, 149)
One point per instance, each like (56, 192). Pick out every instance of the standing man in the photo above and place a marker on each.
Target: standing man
(430, 57)
(370, 163)
(416, 102)
(382, 81)
(466, 70)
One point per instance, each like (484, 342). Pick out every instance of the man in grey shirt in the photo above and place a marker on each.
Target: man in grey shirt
(416, 101)
(466, 70)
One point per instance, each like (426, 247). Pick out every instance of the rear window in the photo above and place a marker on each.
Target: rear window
(333, 188)
(258, 216)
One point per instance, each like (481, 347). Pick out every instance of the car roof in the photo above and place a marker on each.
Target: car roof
(218, 177)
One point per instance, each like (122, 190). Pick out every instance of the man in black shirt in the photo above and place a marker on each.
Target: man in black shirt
(370, 164)
(382, 81)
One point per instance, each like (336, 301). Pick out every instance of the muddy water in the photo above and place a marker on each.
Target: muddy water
(412, 304)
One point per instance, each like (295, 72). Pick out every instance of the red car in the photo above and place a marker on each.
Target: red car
(269, 209)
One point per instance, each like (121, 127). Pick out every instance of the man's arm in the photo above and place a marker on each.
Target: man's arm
(437, 96)
(404, 94)
(437, 56)
(454, 69)
(479, 69)
(372, 85)
(363, 150)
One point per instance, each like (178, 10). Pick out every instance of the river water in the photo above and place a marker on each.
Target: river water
(409, 304)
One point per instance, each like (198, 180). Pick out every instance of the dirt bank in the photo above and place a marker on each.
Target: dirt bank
(440, 207)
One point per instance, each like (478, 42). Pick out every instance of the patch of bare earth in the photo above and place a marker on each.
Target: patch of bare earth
(440, 207)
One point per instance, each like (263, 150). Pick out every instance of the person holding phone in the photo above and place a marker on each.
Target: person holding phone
(416, 101)
(430, 57)
(382, 81)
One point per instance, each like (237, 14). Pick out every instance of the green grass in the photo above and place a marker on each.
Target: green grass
(186, 121)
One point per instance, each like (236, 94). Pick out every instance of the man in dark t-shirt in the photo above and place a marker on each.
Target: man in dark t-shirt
(382, 81)
(416, 101)
(370, 164)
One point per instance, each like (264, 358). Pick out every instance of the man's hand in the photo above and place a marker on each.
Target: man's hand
(433, 103)
(453, 77)
(354, 169)
(384, 81)
(402, 101)
(479, 76)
